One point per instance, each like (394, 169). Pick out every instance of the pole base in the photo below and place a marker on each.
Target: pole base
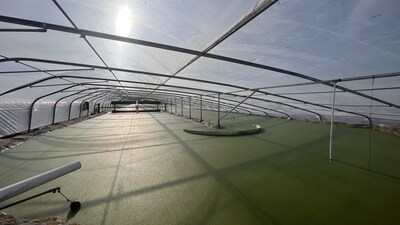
(75, 206)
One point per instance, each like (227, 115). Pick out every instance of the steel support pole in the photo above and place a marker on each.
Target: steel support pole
(181, 106)
(37, 99)
(190, 107)
(239, 104)
(87, 99)
(70, 106)
(332, 117)
(175, 107)
(99, 100)
(201, 108)
(219, 110)
(54, 113)
(102, 105)
(69, 110)
(80, 109)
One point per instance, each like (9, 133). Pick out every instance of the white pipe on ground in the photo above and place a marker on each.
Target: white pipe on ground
(30, 183)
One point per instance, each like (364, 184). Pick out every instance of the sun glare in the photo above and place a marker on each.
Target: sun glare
(123, 22)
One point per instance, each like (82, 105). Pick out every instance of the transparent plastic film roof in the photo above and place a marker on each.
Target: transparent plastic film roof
(301, 59)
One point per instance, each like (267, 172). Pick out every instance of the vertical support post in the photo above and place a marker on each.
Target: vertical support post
(114, 107)
(201, 108)
(54, 114)
(69, 111)
(219, 108)
(190, 107)
(137, 106)
(332, 117)
(30, 118)
(175, 107)
(241, 102)
(181, 106)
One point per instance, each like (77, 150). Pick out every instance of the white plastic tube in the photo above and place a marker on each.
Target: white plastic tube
(30, 183)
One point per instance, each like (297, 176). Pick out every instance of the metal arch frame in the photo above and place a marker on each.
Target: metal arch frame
(84, 33)
(264, 100)
(181, 101)
(241, 23)
(89, 101)
(93, 98)
(229, 105)
(86, 99)
(56, 85)
(105, 98)
(19, 59)
(23, 30)
(43, 71)
(67, 96)
(195, 96)
(55, 104)
(199, 80)
(97, 102)
(37, 69)
(43, 96)
(191, 79)
(84, 37)
(197, 89)
(108, 94)
(366, 77)
(241, 102)
(104, 107)
(184, 78)
(70, 104)
(110, 97)
(173, 86)
(107, 104)
(190, 94)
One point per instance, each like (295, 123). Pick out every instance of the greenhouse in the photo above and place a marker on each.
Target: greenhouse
(200, 112)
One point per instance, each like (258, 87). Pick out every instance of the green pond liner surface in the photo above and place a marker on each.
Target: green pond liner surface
(142, 168)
